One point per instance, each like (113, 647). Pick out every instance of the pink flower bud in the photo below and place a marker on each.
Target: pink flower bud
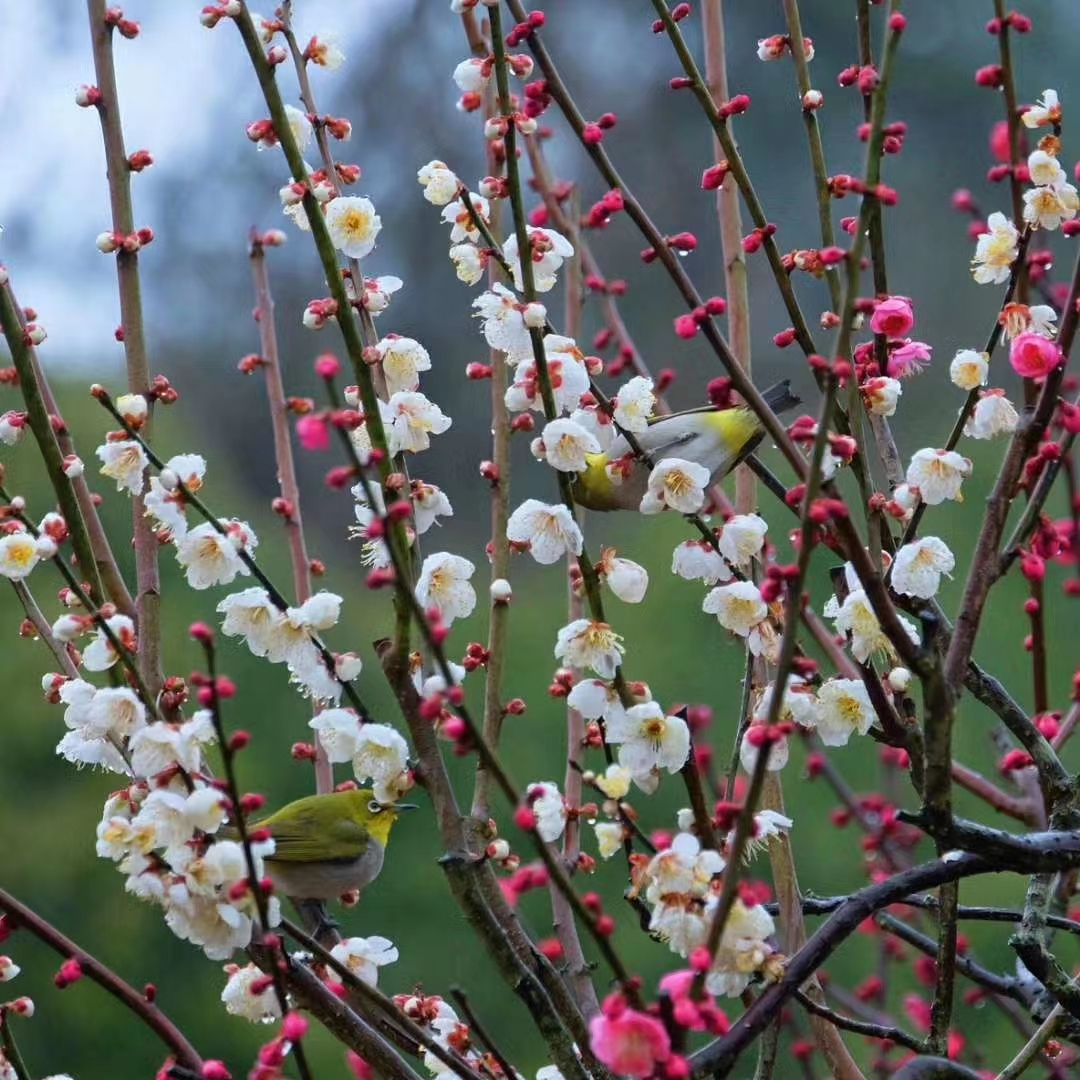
(294, 1027)
(327, 366)
(686, 327)
(313, 432)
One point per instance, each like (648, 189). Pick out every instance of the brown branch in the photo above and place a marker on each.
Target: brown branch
(105, 977)
(148, 594)
(283, 456)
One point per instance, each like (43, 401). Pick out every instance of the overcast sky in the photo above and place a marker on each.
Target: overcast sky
(179, 84)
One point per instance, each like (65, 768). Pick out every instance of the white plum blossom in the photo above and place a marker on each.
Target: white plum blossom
(938, 474)
(995, 250)
(779, 751)
(698, 560)
(240, 999)
(845, 709)
(429, 504)
(1018, 319)
(210, 558)
(472, 75)
(677, 484)
(377, 292)
(634, 404)
(549, 249)
(678, 881)
(626, 579)
(566, 445)
(469, 262)
(799, 704)
(918, 566)
(323, 50)
(156, 747)
(1044, 169)
(98, 720)
(12, 427)
(587, 644)
(994, 414)
(594, 699)
(338, 732)
(364, 956)
(609, 838)
(124, 461)
(439, 182)
(301, 127)
(738, 607)
(503, 322)
(457, 214)
(742, 538)
(426, 685)
(648, 740)
(597, 423)
(250, 614)
(969, 369)
(402, 361)
(855, 616)
(410, 420)
(682, 868)
(444, 584)
(566, 372)
(547, 803)
(767, 824)
(614, 782)
(381, 755)
(1048, 207)
(353, 225)
(18, 555)
(164, 501)
(548, 530)
(1046, 111)
(133, 408)
(881, 395)
(100, 654)
(744, 948)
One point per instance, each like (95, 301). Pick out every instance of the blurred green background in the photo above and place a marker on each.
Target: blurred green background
(198, 296)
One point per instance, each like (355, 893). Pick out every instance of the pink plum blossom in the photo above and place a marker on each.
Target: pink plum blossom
(628, 1042)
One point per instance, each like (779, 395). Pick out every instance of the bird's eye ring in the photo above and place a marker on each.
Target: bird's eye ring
(375, 806)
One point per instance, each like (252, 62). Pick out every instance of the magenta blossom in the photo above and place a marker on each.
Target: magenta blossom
(694, 1014)
(893, 317)
(628, 1042)
(1033, 355)
(313, 432)
(908, 358)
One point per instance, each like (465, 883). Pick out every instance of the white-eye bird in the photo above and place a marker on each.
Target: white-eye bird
(717, 439)
(326, 845)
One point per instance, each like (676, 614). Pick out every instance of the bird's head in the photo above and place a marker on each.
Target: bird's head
(378, 818)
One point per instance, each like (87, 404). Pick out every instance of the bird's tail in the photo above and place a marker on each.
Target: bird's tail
(779, 398)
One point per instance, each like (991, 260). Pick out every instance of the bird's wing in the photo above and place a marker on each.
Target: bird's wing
(656, 440)
(307, 838)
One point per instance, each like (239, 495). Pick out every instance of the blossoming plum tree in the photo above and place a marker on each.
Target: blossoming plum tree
(183, 833)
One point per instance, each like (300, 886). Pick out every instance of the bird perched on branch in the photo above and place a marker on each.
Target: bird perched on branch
(717, 439)
(327, 845)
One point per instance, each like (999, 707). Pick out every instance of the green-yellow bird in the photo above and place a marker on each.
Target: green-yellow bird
(717, 439)
(326, 845)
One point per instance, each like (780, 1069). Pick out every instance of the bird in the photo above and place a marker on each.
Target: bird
(718, 439)
(327, 845)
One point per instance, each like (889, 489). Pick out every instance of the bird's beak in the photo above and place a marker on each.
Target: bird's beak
(406, 806)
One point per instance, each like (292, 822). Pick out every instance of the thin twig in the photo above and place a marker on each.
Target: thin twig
(105, 977)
